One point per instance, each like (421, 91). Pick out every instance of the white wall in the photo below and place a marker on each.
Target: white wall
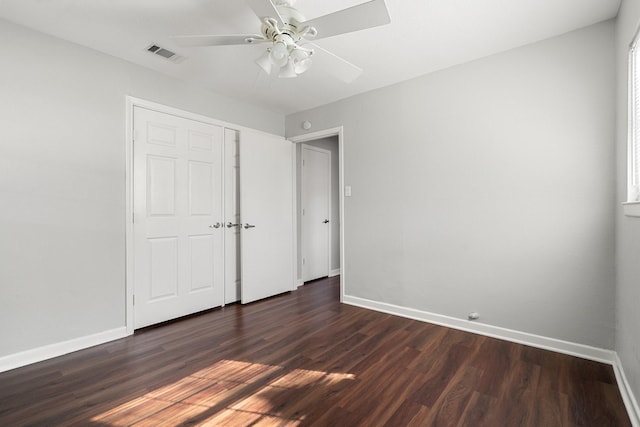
(62, 182)
(628, 228)
(330, 144)
(489, 187)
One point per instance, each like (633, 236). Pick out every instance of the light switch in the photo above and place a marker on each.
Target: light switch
(347, 191)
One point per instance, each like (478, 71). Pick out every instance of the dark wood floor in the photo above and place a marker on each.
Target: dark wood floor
(304, 359)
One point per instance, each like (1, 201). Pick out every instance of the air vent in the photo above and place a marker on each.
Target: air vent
(165, 53)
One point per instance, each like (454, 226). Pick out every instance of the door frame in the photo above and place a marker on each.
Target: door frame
(302, 200)
(339, 132)
(132, 102)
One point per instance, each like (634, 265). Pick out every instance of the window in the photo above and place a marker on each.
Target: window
(633, 186)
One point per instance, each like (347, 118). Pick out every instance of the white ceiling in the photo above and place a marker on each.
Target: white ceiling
(424, 36)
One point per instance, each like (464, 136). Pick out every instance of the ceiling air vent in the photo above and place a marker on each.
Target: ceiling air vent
(165, 53)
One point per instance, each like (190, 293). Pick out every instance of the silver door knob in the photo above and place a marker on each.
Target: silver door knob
(229, 225)
(326, 221)
(216, 225)
(249, 226)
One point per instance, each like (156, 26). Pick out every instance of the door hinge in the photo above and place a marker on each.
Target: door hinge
(134, 300)
(304, 261)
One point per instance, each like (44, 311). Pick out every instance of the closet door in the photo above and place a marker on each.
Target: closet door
(266, 209)
(178, 234)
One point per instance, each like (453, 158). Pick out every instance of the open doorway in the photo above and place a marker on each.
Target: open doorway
(310, 148)
(318, 209)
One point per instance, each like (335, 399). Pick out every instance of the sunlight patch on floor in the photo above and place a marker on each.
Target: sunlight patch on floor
(229, 392)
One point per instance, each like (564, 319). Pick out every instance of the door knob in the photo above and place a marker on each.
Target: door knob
(326, 221)
(229, 225)
(216, 225)
(247, 225)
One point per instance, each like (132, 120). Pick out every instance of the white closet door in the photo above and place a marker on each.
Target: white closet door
(266, 208)
(178, 237)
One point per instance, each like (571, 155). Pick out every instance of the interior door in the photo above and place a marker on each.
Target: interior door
(316, 212)
(178, 243)
(266, 208)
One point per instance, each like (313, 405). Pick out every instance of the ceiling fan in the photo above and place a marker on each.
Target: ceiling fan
(288, 33)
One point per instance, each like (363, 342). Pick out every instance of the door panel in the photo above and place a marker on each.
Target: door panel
(201, 188)
(316, 212)
(202, 251)
(178, 251)
(161, 186)
(164, 267)
(266, 202)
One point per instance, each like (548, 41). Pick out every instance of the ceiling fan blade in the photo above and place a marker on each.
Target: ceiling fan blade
(366, 15)
(340, 68)
(264, 9)
(221, 40)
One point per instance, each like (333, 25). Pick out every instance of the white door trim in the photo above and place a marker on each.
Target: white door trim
(339, 132)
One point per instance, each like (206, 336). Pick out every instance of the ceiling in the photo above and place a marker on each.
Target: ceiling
(424, 36)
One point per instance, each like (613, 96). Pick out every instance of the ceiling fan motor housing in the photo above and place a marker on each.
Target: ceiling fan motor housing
(291, 20)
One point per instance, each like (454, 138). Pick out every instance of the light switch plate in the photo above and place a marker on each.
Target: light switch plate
(347, 191)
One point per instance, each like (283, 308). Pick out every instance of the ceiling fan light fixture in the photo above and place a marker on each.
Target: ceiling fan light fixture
(301, 59)
(288, 71)
(279, 54)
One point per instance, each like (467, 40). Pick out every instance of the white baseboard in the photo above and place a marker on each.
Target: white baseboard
(627, 394)
(546, 343)
(39, 354)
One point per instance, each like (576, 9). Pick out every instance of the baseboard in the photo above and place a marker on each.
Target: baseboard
(627, 394)
(546, 343)
(39, 354)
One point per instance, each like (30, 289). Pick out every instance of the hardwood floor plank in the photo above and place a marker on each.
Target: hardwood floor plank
(450, 406)
(404, 414)
(440, 375)
(302, 358)
(519, 398)
(478, 409)
(493, 359)
(376, 405)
